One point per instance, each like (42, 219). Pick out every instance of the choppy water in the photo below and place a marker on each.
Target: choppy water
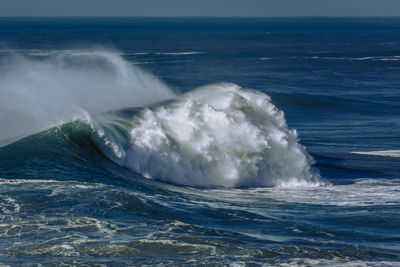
(199, 141)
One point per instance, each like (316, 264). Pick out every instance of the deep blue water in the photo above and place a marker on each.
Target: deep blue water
(75, 93)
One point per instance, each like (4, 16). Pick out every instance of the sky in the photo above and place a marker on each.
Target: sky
(199, 7)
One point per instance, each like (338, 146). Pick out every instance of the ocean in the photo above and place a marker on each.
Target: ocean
(199, 141)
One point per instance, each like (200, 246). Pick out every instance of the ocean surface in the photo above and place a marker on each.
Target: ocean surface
(200, 141)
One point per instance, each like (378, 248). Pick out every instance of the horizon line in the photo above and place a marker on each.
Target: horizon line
(201, 16)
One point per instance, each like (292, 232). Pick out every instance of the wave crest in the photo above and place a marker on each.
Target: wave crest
(215, 136)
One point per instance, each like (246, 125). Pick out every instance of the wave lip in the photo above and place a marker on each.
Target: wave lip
(218, 136)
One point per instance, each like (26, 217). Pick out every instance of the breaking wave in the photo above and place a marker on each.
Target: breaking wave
(218, 135)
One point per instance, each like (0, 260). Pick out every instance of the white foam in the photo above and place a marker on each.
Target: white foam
(9, 205)
(4, 181)
(336, 262)
(388, 59)
(372, 58)
(363, 58)
(382, 153)
(219, 136)
(363, 192)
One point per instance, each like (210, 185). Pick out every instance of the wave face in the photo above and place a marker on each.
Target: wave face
(38, 94)
(215, 136)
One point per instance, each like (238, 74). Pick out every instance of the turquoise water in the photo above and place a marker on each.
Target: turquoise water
(234, 141)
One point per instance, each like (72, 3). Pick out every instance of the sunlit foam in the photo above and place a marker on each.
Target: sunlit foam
(218, 136)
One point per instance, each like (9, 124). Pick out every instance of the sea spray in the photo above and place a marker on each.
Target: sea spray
(39, 93)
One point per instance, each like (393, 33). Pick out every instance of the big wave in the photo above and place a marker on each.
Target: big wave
(219, 135)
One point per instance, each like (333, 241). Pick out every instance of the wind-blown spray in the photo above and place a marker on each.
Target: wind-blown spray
(38, 94)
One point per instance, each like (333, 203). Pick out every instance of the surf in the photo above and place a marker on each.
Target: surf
(219, 135)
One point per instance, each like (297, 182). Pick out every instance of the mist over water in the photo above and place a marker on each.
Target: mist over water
(39, 93)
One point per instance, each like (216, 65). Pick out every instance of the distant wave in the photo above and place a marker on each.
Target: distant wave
(370, 58)
(142, 62)
(182, 53)
(382, 153)
(52, 52)
(179, 53)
